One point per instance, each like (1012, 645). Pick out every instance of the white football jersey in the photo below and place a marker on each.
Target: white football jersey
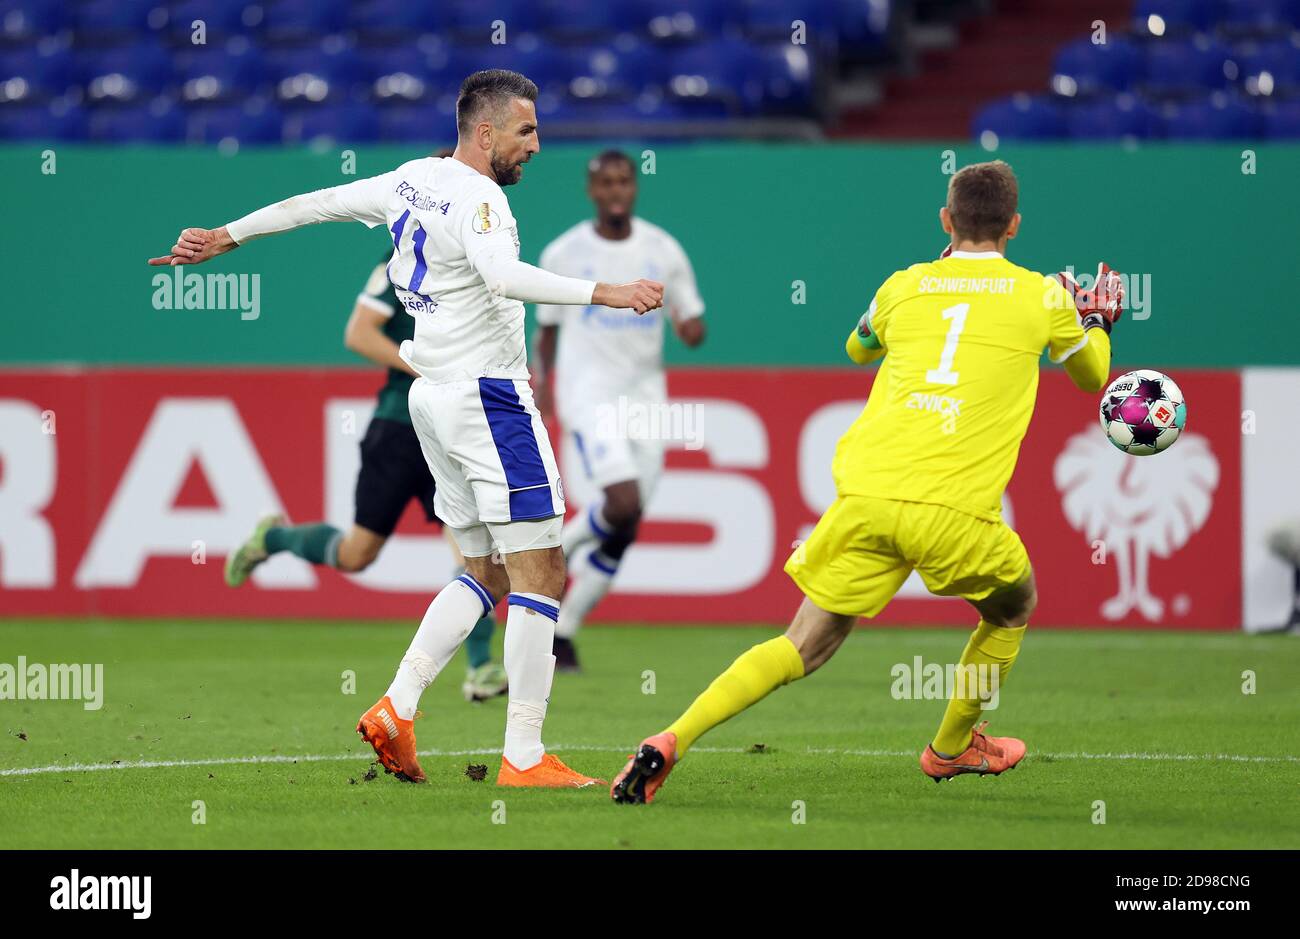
(440, 215)
(606, 352)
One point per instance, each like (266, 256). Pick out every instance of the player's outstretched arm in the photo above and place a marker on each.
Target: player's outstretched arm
(1088, 362)
(361, 201)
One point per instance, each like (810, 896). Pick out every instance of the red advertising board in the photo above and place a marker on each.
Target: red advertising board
(122, 491)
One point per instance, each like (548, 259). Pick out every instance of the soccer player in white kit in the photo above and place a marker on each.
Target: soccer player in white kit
(609, 363)
(456, 269)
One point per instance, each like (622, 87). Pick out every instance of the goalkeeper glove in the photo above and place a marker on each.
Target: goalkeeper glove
(1102, 305)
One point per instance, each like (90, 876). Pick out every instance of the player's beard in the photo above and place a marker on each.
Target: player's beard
(506, 172)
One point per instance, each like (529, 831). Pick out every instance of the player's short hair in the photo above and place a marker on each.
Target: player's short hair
(487, 94)
(982, 200)
(606, 157)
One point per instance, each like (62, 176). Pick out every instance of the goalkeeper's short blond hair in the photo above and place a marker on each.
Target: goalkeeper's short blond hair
(982, 200)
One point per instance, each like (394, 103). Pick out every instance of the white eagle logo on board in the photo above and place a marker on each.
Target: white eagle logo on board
(1137, 506)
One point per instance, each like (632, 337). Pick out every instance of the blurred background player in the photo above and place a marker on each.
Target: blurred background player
(393, 472)
(920, 475)
(1284, 542)
(598, 357)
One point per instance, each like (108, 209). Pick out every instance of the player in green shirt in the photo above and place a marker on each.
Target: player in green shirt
(393, 472)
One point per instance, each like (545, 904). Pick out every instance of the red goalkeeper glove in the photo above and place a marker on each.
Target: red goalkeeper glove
(1103, 304)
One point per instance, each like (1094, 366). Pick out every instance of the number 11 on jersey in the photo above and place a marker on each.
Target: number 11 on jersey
(944, 375)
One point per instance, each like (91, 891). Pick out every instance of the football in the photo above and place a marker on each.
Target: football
(1143, 412)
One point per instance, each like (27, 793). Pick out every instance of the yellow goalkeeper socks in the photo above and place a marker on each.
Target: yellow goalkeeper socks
(990, 648)
(761, 670)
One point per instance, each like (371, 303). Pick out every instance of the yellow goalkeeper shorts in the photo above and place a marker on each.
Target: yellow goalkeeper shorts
(863, 549)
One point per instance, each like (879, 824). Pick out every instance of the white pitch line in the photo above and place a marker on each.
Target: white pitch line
(828, 751)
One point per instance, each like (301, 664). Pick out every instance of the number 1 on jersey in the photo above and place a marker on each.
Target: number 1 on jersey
(944, 375)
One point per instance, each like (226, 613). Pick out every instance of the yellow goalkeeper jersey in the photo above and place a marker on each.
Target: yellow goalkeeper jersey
(962, 338)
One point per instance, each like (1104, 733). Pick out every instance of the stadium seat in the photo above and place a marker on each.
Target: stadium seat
(343, 123)
(331, 70)
(225, 72)
(622, 70)
(686, 20)
(133, 73)
(772, 19)
(1177, 67)
(1269, 68)
(1117, 117)
(59, 121)
(472, 21)
(1216, 117)
(783, 80)
(222, 19)
(540, 61)
(714, 71)
(1085, 68)
(379, 22)
(572, 21)
(1173, 17)
(302, 22)
(863, 27)
(25, 21)
(108, 22)
(1261, 18)
(255, 121)
(159, 121)
(36, 74)
(431, 122)
(1281, 120)
(1020, 117)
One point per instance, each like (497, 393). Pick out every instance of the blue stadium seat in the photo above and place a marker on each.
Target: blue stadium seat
(472, 20)
(1083, 67)
(255, 121)
(863, 26)
(686, 20)
(430, 122)
(221, 19)
(1180, 67)
(615, 71)
(25, 21)
(125, 74)
(565, 109)
(302, 22)
(572, 21)
(342, 123)
(1270, 68)
(312, 74)
(159, 121)
(1116, 117)
(713, 71)
(60, 121)
(1215, 117)
(1282, 120)
(783, 80)
(1020, 117)
(772, 19)
(541, 62)
(1174, 17)
(397, 21)
(214, 73)
(36, 74)
(107, 22)
(1260, 17)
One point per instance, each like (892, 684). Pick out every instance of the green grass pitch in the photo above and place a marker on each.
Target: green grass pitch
(1154, 725)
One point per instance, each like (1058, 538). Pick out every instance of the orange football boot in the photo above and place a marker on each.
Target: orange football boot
(393, 740)
(985, 756)
(548, 774)
(646, 771)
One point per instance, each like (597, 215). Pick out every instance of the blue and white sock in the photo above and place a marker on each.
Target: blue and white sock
(530, 633)
(587, 526)
(589, 581)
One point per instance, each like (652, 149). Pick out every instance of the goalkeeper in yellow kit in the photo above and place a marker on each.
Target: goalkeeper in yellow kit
(919, 476)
